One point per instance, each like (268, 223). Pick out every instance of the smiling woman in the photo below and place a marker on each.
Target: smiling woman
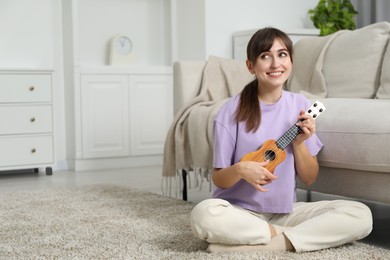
(272, 68)
(253, 207)
(271, 55)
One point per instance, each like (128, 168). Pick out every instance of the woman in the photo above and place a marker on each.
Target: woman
(252, 208)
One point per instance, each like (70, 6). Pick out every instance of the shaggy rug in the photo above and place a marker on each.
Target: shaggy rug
(111, 222)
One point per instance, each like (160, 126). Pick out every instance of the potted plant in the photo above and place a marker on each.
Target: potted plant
(333, 15)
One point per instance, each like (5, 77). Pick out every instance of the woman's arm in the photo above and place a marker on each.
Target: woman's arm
(305, 164)
(252, 172)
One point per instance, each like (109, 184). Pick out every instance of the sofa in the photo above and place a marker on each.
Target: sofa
(348, 71)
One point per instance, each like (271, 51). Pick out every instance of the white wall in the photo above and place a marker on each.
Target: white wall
(222, 18)
(144, 22)
(26, 30)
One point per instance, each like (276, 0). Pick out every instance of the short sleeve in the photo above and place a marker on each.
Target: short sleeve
(223, 146)
(314, 145)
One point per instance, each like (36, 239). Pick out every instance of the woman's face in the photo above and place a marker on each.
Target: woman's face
(273, 67)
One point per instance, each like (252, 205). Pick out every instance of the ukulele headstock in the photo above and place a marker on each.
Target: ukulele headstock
(316, 109)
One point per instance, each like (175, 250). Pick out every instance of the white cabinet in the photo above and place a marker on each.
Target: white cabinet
(26, 131)
(125, 116)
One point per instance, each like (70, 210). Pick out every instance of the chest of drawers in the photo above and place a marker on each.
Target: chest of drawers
(26, 114)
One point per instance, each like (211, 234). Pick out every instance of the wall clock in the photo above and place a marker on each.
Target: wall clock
(121, 50)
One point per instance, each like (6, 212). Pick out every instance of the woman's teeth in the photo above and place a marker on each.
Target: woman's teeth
(275, 73)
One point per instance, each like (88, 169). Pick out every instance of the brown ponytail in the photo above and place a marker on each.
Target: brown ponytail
(249, 107)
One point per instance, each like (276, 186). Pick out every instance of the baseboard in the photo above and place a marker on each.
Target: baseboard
(112, 163)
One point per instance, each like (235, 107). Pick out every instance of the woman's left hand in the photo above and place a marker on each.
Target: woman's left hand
(308, 126)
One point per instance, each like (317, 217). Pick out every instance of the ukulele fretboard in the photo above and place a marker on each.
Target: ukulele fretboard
(315, 110)
(288, 137)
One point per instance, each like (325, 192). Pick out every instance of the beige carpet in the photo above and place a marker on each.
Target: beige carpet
(110, 222)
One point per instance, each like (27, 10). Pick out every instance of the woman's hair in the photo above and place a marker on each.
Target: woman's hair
(249, 107)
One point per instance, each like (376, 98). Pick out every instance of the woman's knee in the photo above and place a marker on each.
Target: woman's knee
(360, 217)
(205, 215)
(365, 219)
(209, 209)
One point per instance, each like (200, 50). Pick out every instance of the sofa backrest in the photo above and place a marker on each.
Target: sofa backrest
(346, 64)
(187, 76)
(353, 62)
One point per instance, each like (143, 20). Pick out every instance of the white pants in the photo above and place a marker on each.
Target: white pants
(312, 225)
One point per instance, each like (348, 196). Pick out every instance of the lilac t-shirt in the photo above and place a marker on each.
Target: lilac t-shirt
(231, 142)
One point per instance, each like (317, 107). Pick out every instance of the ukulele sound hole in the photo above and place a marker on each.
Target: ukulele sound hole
(270, 155)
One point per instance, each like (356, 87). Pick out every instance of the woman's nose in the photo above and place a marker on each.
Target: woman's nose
(275, 63)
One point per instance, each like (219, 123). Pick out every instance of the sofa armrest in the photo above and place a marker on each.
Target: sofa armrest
(187, 76)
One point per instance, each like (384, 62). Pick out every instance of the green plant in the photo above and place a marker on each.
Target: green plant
(333, 15)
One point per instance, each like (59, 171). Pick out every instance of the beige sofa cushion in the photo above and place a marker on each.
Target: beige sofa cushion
(307, 77)
(353, 62)
(384, 88)
(355, 134)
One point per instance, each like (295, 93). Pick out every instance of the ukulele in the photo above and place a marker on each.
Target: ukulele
(274, 150)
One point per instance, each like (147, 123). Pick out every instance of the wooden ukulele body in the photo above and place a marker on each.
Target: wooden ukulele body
(268, 151)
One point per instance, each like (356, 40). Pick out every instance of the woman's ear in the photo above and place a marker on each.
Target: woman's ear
(249, 65)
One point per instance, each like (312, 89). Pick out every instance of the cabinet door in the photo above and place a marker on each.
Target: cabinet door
(105, 116)
(151, 110)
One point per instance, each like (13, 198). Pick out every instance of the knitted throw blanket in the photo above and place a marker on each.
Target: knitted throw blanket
(188, 145)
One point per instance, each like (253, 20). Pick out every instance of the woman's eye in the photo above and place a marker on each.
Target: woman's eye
(283, 54)
(264, 56)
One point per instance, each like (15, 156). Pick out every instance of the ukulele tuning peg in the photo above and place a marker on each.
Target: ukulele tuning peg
(314, 116)
(309, 111)
(315, 105)
(321, 110)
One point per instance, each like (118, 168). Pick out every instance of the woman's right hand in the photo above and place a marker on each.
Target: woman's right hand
(255, 174)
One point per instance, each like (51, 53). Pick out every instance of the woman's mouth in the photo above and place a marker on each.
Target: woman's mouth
(275, 73)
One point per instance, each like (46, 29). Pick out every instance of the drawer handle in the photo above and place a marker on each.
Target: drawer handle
(32, 88)
(32, 120)
(33, 150)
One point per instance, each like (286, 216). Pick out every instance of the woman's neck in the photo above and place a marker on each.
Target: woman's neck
(270, 97)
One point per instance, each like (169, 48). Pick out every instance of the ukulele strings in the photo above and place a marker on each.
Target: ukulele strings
(275, 148)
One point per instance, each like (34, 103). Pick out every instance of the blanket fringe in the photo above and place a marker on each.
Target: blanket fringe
(196, 176)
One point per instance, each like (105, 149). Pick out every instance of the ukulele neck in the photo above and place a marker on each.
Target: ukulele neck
(288, 137)
(314, 110)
